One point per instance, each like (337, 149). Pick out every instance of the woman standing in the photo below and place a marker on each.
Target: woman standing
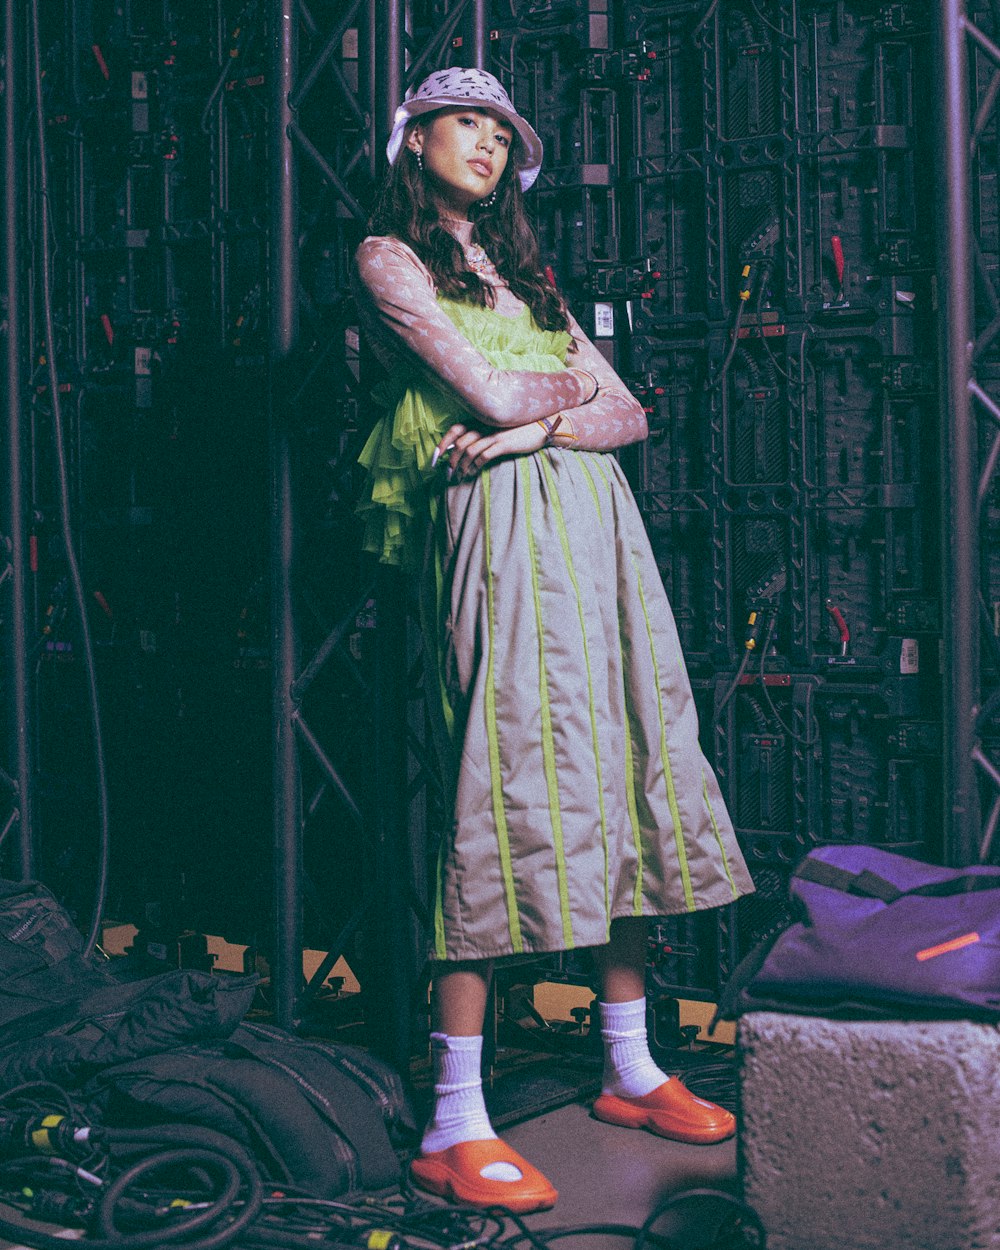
(581, 802)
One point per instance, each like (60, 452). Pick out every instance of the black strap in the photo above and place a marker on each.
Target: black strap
(868, 884)
(871, 885)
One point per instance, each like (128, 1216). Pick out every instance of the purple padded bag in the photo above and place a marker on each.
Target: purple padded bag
(881, 934)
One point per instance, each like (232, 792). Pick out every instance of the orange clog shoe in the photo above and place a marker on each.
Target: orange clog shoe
(671, 1110)
(456, 1173)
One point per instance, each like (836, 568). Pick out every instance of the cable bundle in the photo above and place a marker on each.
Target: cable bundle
(188, 1187)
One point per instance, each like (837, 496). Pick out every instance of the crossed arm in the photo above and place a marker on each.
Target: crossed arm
(397, 302)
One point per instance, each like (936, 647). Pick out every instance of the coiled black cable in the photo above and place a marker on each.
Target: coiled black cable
(195, 1148)
(715, 1082)
(226, 1170)
(741, 1209)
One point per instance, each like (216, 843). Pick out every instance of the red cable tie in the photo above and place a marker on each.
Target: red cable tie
(838, 258)
(103, 604)
(102, 64)
(838, 620)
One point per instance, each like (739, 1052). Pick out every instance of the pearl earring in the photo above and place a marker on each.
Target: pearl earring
(490, 199)
(420, 160)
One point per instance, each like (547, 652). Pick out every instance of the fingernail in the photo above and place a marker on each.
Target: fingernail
(435, 456)
(449, 473)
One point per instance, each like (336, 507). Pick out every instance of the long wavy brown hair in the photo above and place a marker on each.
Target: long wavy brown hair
(405, 208)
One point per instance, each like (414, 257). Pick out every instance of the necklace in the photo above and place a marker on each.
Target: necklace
(478, 260)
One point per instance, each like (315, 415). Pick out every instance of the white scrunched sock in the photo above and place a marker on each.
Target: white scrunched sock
(629, 1070)
(459, 1110)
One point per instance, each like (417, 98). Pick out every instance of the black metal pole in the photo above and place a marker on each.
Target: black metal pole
(286, 965)
(19, 682)
(476, 36)
(367, 84)
(388, 993)
(388, 71)
(385, 986)
(958, 444)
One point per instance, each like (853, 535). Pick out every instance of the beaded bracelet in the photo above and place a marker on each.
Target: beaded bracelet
(551, 425)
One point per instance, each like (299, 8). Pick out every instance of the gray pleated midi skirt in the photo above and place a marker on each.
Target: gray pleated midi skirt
(566, 724)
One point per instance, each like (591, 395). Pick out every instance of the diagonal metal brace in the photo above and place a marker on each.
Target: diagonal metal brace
(321, 757)
(308, 80)
(330, 644)
(326, 169)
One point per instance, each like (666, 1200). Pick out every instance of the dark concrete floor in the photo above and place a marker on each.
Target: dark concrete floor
(610, 1175)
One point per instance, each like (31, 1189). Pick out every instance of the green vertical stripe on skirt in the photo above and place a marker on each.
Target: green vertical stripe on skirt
(564, 542)
(665, 757)
(718, 837)
(633, 811)
(602, 471)
(499, 812)
(430, 626)
(593, 488)
(446, 708)
(548, 747)
(440, 939)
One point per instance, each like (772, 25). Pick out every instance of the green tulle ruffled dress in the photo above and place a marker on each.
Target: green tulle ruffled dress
(399, 499)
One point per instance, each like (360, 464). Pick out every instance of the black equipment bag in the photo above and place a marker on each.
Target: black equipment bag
(171, 1047)
(65, 1015)
(43, 971)
(320, 1115)
(123, 1021)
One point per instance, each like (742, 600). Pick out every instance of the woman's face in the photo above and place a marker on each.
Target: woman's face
(464, 150)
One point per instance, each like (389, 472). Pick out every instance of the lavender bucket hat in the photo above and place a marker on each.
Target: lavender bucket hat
(450, 88)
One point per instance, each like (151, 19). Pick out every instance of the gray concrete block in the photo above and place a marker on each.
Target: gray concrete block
(859, 1134)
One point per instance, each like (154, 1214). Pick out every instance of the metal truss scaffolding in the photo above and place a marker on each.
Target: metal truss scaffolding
(970, 67)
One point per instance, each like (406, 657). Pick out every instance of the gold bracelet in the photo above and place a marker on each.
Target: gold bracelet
(597, 386)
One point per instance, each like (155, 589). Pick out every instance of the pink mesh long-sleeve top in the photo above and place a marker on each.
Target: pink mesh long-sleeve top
(398, 307)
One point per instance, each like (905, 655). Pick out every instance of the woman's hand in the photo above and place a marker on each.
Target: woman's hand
(467, 451)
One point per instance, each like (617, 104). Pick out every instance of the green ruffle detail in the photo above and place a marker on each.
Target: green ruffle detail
(396, 502)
